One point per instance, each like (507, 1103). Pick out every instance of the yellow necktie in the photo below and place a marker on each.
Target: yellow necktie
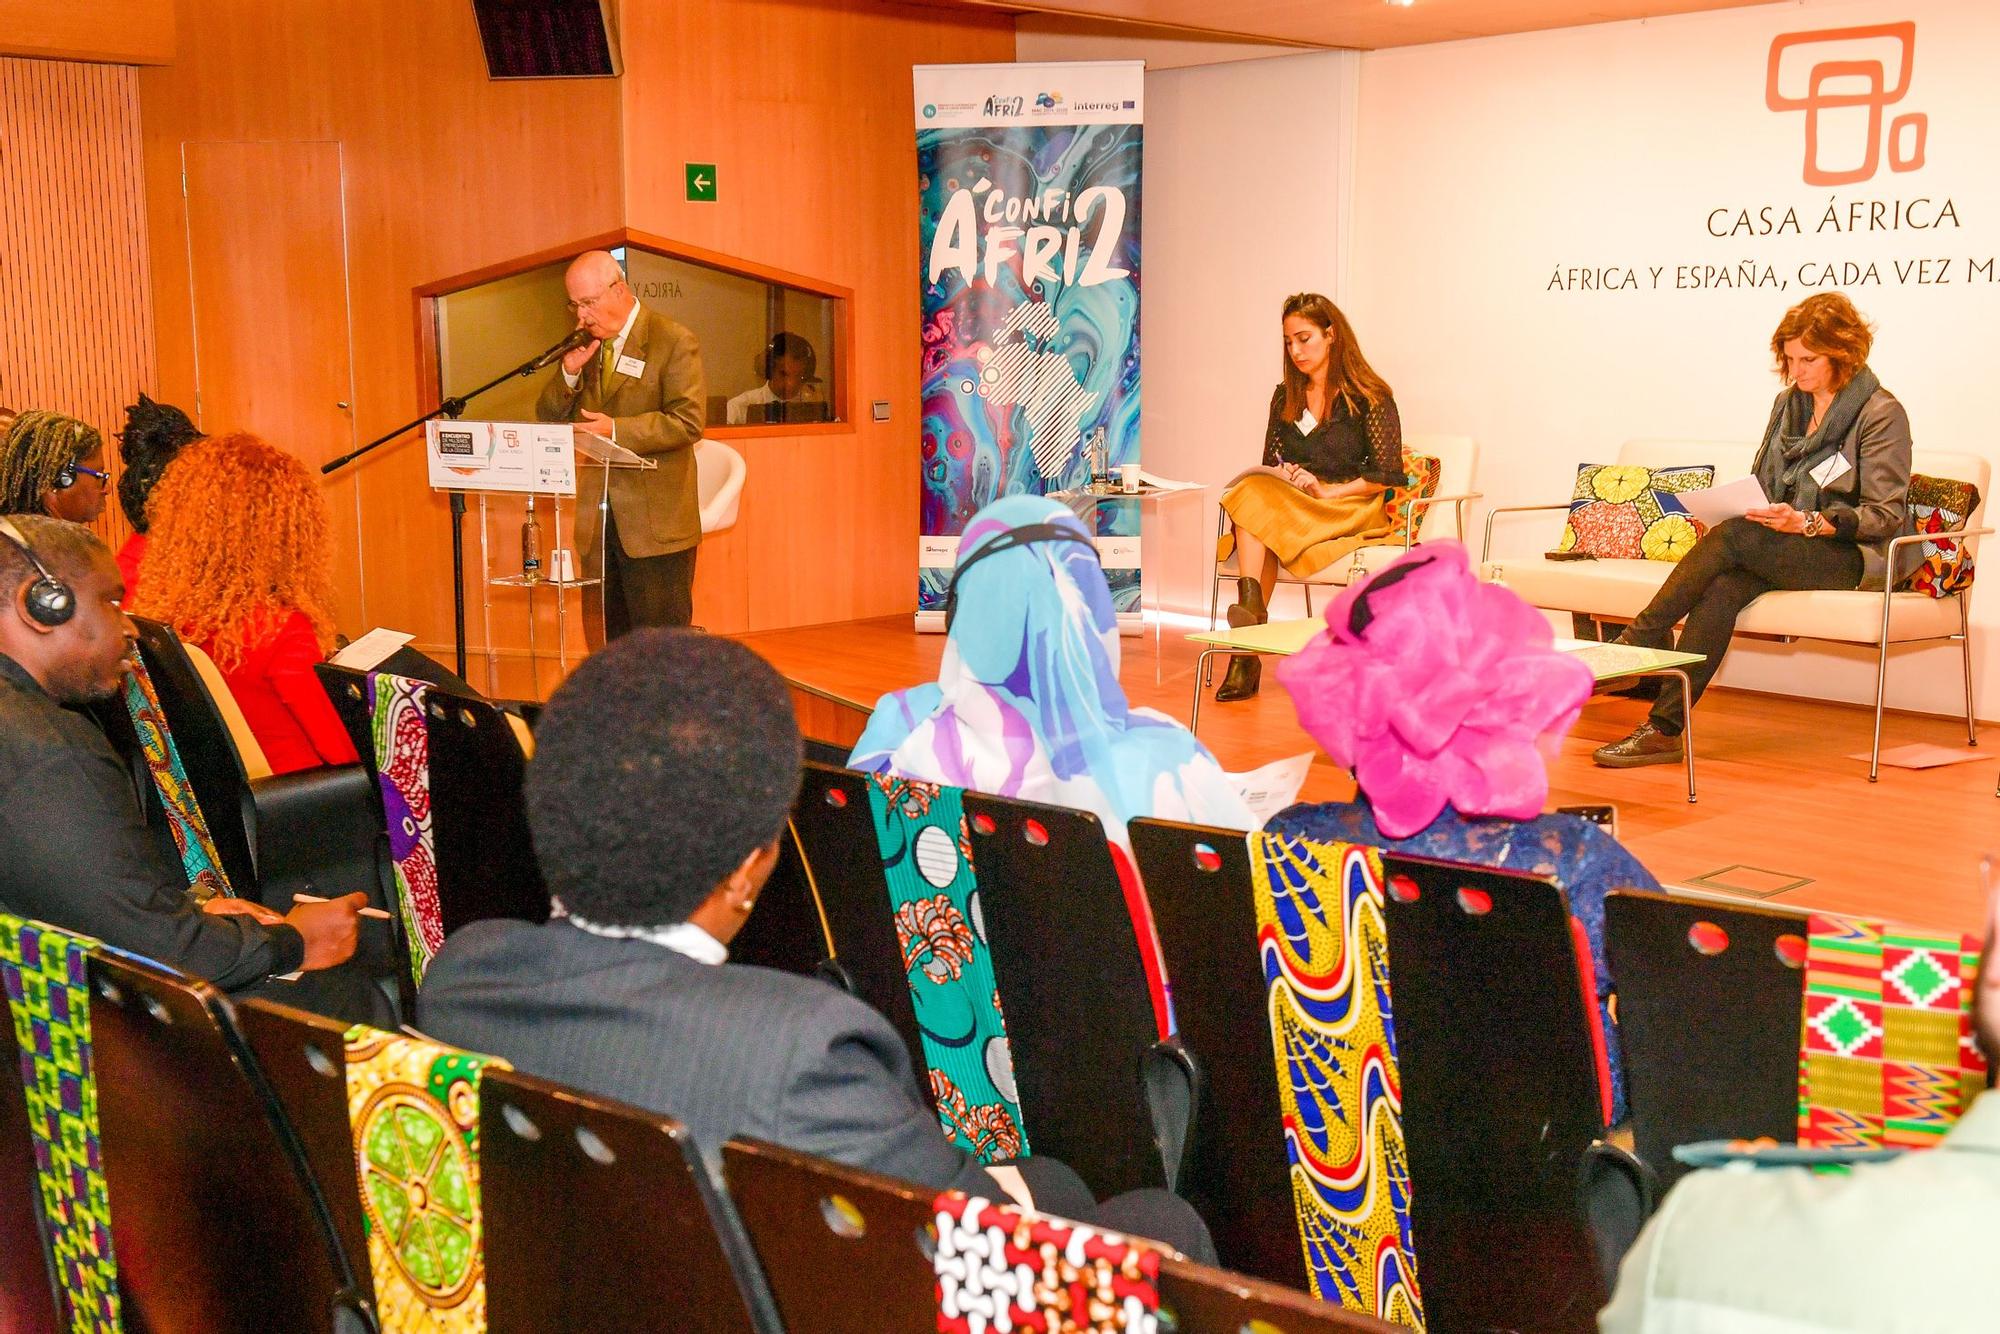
(605, 361)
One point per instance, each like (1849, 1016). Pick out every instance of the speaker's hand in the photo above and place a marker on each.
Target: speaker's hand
(577, 358)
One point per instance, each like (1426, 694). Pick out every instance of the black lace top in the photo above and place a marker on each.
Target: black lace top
(1341, 448)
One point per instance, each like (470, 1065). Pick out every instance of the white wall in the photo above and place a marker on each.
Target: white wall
(1243, 206)
(1483, 167)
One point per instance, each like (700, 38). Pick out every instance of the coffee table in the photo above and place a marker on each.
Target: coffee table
(1607, 663)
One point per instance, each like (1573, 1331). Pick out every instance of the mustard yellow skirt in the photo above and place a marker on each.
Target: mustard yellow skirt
(1306, 535)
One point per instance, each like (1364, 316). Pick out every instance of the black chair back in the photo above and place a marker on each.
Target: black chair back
(846, 1251)
(1709, 998)
(27, 1288)
(1195, 1297)
(207, 751)
(348, 689)
(601, 1217)
(1073, 984)
(215, 1220)
(787, 932)
(1501, 1102)
(486, 864)
(1234, 1169)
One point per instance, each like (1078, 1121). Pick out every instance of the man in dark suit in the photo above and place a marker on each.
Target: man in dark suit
(665, 768)
(638, 382)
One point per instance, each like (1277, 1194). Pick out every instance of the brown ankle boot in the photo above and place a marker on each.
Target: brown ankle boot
(1249, 607)
(1246, 673)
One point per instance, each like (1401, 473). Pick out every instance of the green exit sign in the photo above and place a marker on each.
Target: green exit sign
(701, 182)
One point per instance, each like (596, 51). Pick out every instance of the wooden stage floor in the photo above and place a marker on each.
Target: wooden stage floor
(1783, 816)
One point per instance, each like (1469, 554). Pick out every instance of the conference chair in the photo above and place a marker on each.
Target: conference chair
(1521, 1212)
(485, 860)
(1709, 998)
(602, 1217)
(276, 835)
(217, 1220)
(719, 472)
(788, 930)
(1233, 1166)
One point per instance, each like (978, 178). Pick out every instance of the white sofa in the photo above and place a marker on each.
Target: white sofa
(1443, 515)
(1620, 589)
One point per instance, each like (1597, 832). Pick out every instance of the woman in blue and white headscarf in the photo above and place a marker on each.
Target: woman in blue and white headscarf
(1027, 703)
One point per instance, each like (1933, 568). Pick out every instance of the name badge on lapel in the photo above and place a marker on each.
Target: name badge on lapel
(1830, 470)
(631, 366)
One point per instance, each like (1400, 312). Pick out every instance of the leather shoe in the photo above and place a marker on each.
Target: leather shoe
(1647, 745)
(1246, 673)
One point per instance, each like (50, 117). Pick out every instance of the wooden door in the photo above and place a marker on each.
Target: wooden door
(273, 348)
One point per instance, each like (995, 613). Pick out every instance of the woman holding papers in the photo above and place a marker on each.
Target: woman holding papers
(1835, 468)
(1333, 456)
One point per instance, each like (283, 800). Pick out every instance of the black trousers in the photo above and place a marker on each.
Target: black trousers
(1734, 564)
(645, 590)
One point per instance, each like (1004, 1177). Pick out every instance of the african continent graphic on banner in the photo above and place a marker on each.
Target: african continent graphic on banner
(1028, 187)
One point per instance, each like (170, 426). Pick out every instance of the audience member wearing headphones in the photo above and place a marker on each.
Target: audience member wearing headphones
(239, 562)
(630, 994)
(154, 435)
(787, 364)
(78, 852)
(54, 465)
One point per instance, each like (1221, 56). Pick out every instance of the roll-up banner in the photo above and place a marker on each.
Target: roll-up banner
(1028, 194)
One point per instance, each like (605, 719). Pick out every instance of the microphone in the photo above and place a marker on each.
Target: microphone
(577, 339)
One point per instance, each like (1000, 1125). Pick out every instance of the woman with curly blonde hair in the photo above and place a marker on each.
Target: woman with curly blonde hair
(239, 564)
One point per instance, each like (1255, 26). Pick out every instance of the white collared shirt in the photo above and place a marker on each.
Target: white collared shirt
(617, 344)
(682, 937)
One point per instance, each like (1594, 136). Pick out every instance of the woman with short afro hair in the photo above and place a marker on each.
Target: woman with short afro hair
(239, 563)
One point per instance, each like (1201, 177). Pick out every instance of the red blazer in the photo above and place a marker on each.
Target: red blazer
(129, 556)
(282, 701)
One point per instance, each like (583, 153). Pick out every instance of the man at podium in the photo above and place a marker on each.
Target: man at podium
(638, 382)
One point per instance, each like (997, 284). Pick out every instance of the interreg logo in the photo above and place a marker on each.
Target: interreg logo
(1841, 79)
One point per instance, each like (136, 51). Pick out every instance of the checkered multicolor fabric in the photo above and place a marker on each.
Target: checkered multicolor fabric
(1005, 1268)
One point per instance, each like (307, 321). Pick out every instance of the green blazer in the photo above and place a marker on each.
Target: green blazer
(659, 416)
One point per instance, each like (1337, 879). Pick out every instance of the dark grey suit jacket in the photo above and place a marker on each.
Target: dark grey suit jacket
(729, 1050)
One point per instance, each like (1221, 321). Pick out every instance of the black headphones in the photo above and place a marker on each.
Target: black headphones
(50, 601)
(1026, 535)
(66, 478)
(789, 346)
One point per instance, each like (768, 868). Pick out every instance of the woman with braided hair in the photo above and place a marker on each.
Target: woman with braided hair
(239, 562)
(54, 465)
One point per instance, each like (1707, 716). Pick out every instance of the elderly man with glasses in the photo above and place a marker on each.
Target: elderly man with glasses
(638, 383)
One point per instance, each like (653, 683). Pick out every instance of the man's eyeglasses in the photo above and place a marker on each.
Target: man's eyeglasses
(575, 307)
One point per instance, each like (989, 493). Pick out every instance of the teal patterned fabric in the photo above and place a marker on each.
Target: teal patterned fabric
(49, 998)
(927, 857)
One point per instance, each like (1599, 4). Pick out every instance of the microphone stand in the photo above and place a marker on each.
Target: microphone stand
(452, 408)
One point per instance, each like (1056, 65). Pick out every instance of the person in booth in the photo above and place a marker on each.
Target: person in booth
(54, 465)
(627, 992)
(787, 364)
(636, 381)
(78, 853)
(1333, 458)
(239, 563)
(1454, 770)
(1835, 467)
(154, 435)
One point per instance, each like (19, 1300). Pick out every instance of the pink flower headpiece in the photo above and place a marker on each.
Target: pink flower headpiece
(1433, 687)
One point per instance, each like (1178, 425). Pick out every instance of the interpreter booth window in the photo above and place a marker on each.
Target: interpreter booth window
(769, 349)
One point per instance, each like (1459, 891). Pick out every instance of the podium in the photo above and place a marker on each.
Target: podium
(541, 461)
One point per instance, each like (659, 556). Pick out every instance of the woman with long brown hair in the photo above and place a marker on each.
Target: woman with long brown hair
(239, 563)
(1333, 459)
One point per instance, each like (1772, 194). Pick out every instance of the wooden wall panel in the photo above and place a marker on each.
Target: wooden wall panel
(130, 32)
(805, 110)
(77, 330)
(442, 170)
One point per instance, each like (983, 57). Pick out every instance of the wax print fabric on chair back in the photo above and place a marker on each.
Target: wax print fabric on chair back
(1326, 967)
(48, 999)
(1001, 1267)
(1939, 506)
(1887, 1057)
(413, 1106)
(403, 772)
(1424, 470)
(199, 859)
(926, 850)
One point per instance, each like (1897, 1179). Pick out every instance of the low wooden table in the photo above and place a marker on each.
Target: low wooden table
(1607, 663)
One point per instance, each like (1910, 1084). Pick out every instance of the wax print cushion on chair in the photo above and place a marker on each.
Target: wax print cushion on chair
(48, 1000)
(999, 1267)
(1325, 956)
(1940, 506)
(1887, 1056)
(1619, 511)
(403, 773)
(926, 851)
(413, 1107)
(1424, 471)
(199, 860)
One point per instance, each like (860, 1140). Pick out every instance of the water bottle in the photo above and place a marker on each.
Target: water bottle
(1100, 458)
(531, 543)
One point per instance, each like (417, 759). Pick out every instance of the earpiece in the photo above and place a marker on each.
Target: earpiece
(1026, 535)
(66, 478)
(50, 601)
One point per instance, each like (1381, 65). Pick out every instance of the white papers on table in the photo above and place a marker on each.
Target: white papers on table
(1268, 790)
(1159, 483)
(371, 650)
(1730, 501)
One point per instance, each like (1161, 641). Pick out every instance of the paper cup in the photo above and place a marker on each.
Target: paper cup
(1128, 478)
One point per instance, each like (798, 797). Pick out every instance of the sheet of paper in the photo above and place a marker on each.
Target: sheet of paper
(1732, 500)
(1923, 755)
(1270, 789)
(1159, 483)
(371, 650)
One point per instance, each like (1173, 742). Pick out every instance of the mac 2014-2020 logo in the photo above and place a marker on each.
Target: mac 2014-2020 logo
(1845, 80)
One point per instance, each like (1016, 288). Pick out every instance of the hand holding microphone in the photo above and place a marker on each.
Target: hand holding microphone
(578, 351)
